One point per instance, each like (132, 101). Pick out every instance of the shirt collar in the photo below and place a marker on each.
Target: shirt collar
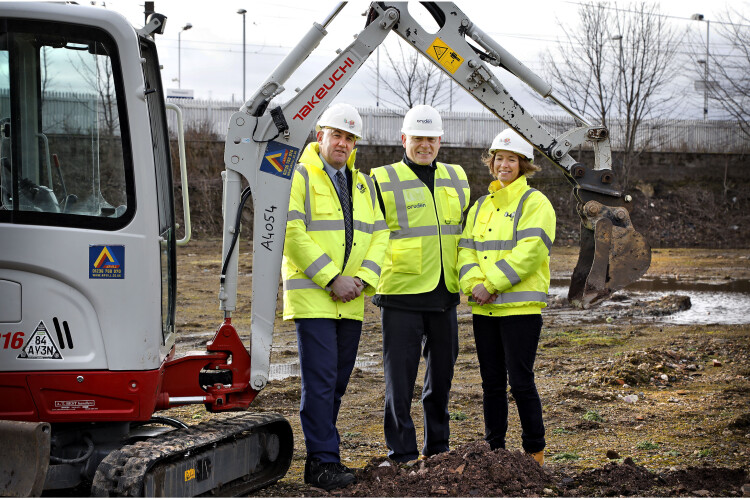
(329, 169)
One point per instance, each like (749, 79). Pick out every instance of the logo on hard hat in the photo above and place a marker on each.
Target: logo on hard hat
(506, 141)
(349, 122)
(428, 120)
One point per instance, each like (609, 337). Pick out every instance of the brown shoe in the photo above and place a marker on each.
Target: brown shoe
(538, 456)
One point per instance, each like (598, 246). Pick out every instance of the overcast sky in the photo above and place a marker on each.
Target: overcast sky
(211, 51)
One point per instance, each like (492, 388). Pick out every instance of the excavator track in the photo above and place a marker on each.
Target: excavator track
(229, 455)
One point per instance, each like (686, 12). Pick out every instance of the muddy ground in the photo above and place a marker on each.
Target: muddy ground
(633, 406)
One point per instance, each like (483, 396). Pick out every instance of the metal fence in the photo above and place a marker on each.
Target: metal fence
(383, 126)
(65, 111)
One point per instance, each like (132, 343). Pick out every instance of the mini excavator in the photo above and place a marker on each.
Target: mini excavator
(88, 241)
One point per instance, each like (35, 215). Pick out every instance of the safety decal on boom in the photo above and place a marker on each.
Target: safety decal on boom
(279, 159)
(446, 56)
(40, 345)
(107, 262)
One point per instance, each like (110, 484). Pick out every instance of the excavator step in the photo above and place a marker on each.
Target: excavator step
(230, 455)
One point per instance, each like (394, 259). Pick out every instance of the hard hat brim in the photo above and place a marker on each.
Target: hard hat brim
(423, 133)
(493, 151)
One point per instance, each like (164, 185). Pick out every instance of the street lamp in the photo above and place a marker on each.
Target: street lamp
(179, 54)
(700, 17)
(243, 12)
(621, 70)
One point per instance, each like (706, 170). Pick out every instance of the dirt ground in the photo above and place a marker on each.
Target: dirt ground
(633, 406)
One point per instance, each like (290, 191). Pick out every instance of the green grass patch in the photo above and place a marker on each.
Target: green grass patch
(593, 416)
(561, 431)
(352, 434)
(458, 415)
(704, 453)
(647, 445)
(565, 457)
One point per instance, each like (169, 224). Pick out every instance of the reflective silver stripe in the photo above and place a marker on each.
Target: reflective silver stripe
(450, 229)
(465, 269)
(467, 243)
(485, 246)
(479, 205)
(364, 227)
(535, 231)
(318, 265)
(413, 233)
(397, 187)
(308, 210)
(295, 215)
(300, 284)
(326, 225)
(510, 297)
(519, 212)
(368, 264)
(380, 225)
(458, 184)
(371, 186)
(508, 271)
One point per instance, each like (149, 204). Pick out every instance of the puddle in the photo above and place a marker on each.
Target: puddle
(723, 302)
(280, 371)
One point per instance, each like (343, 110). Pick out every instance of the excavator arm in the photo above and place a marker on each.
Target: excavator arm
(263, 145)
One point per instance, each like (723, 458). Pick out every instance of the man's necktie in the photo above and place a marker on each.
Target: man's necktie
(346, 207)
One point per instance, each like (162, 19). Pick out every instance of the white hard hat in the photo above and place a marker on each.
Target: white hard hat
(422, 121)
(510, 140)
(341, 116)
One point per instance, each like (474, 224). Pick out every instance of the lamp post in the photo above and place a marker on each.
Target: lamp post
(620, 70)
(179, 54)
(700, 17)
(243, 12)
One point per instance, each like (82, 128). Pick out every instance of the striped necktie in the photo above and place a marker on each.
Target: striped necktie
(346, 207)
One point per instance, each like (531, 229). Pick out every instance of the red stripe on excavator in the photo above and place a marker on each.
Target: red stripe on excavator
(79, 396)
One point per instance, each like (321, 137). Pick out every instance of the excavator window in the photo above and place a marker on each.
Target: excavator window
(62, 160)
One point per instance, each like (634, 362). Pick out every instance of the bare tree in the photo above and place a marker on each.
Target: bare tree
(412, 80)
(618, 64)
(100, 78)
(582, 64)
(729, 86)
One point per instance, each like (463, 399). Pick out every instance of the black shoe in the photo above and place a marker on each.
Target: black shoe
(328, 476)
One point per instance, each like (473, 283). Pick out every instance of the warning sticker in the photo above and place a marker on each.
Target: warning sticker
(446, 56)
(40, 345)
(107, 262)
(279, 159)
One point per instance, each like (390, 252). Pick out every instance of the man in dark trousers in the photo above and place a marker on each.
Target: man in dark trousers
(423, 202)
(335, 241)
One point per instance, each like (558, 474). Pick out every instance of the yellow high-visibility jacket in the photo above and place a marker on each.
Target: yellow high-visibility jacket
(421, 227)
(315, 241)
(505, 245)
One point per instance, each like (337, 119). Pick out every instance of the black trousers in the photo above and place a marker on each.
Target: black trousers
(506, 348)
(406, 334)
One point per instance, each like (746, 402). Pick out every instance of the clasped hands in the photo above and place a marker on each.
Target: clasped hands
(481, 296)
(346, 288)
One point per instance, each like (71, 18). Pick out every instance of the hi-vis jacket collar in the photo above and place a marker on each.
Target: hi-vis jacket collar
(500, 196)
(314, 148)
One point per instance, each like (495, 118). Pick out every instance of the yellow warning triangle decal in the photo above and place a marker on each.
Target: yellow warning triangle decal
(439, 51)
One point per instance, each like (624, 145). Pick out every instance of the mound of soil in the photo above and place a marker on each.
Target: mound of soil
(473, 470)
(470, 470)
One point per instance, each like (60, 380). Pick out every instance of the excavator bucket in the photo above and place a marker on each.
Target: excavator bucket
(24, 459)
(612, 255)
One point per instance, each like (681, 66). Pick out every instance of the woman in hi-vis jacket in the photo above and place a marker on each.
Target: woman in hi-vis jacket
(503, 262)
